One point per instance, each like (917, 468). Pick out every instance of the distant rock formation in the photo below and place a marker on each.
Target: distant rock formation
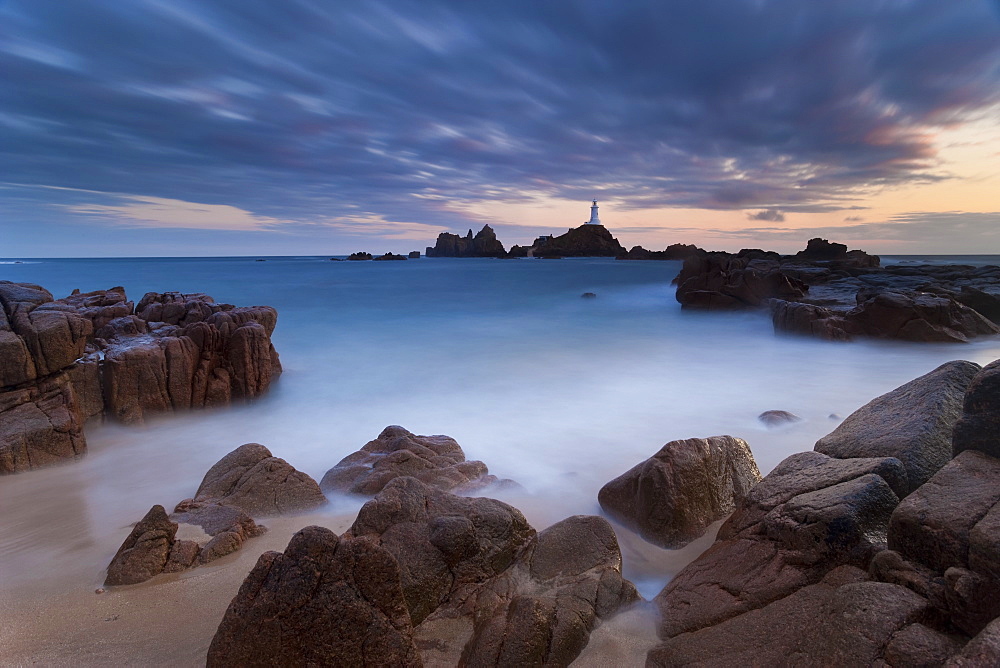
(360, 255)
(672, 252)
(414, 255)
(484, 244)
(94, 354)
(584, 241)
(389, 256)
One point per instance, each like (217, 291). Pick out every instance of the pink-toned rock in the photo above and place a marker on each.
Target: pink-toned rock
(324, 601)
(145, 552)
(672, 497)
(435, 460)
(39, 425)
(251, 479)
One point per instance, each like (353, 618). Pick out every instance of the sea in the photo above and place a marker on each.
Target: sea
(558, 392)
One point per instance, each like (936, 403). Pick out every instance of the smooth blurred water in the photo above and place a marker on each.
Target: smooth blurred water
(557, 392)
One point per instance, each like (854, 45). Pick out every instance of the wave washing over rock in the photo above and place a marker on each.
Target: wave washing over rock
(876, 547)
(63, 362)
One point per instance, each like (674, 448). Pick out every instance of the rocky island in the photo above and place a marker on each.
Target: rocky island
(836, 294)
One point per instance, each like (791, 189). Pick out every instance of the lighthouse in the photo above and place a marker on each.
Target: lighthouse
(594, 220)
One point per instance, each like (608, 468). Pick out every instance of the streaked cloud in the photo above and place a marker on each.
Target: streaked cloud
(397, 108)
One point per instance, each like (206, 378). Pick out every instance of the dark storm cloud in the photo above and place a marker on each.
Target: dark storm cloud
(308, 110)
(772, 215)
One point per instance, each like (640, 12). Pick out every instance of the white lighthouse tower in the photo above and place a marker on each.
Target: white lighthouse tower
(594, 220)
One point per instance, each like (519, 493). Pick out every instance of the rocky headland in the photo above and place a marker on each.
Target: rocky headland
(836, 294)
(97, 354)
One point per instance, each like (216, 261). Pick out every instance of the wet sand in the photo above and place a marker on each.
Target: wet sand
(171, 619)
(167, 621)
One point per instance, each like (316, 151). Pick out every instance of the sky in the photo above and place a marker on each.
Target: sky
(322, 127)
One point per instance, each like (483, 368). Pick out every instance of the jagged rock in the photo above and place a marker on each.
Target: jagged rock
(251, 479)
(442, 541)
(38, 337)
(672, 497)
(672, 252)
(324, 601)
(40, 424)
(389, 256)
(360, 255)
(484, 244)
(483, 588)
(100, 306)
(822, 250)
(146, 550)
(222, 353)
(177, 308)
(724, 281)
(435, 460)
(799, 318)
(778, 418)
(978, 428)
(584, 241)
(65, 362)
(541, 611)
(914, 316)
(912, 423)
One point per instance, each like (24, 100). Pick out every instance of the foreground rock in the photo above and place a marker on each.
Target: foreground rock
(64, 362)
(484, 244)
(325, 601)
(435, 460)
(913, 423)
(251, 479)
(821, 564)
(248, 482)
(978, 428)
(443, 580)
(671, 498)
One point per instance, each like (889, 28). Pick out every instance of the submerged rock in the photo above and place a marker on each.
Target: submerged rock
(778, 418)
(672, 497)
(435, 460)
